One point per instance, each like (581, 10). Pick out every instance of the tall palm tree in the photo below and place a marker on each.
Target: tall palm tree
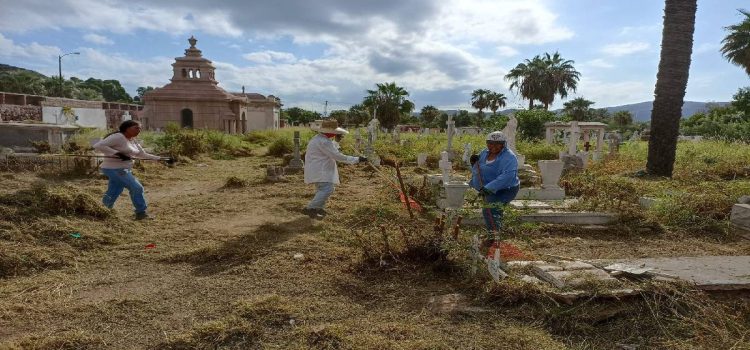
(429, 113)
(525, 77)
(480, 101)
(560, 77)
(389, 100)
(736, 46)
(671, 81)
(497, 101)
(577, 108)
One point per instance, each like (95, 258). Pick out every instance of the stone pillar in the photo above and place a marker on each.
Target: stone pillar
(450, 131)
(549, 135)
(573, 141)
(600, 141)
(296, 162)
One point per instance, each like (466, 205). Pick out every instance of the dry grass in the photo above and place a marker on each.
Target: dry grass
(223, 273)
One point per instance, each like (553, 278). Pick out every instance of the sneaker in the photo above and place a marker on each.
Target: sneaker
(313, 213)
(143, 216)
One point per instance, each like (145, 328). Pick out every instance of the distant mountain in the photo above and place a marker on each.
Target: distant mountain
(10, 69)
(642, 111)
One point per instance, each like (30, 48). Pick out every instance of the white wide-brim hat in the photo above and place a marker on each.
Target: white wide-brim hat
(328, 127)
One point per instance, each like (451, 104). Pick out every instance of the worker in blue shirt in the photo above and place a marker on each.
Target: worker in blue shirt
(494, 173)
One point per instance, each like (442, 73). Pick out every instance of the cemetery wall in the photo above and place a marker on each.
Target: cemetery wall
(11, 113)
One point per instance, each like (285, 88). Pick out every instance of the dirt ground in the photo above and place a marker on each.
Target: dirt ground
(222, 274)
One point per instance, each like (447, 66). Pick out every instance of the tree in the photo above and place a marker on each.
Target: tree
(578, 109)
(480, 100)
(544, 77)
(23, 82)
(622, 118)
(388, 102)
(341, 116)
(141, 91)
(496, 101)
(671, 81)
(298, 115)
(741, 101)
(358, 115)
(429, 114)
(736, 45)
(531, 123)
(560, 77)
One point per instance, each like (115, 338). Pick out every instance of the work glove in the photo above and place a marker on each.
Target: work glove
(485, 192)
(123, 156)
(363, 159)
(474, 159)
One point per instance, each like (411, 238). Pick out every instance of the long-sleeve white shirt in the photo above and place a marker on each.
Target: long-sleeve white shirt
(118, 143)
(320, 160)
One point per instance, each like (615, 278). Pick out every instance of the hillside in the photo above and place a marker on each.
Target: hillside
(10, 69)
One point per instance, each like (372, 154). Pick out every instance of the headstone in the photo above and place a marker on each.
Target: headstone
(450, 131)
(740, 219)
(551, 172)
(422, 159)
(396, 136)
(445, 166)
(358, 140)
(510, 132)
(584, 155)
(126, 116)
(575, 133)
(636, 136)
(467, 154)
(274, 173)
(296, 163)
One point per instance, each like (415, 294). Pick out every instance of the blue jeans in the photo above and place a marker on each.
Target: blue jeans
(323, 190)
(120, 179)
(493, 210)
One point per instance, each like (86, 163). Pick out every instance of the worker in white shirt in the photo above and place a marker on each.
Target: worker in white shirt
(320, 165)
(121, 148)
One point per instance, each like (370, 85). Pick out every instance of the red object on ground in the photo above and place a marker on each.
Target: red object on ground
(150, 246)
(508, 252)
(412, 202)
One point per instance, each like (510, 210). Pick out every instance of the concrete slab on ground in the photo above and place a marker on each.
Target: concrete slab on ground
(570, 218)
(707, 272)
(539, 204)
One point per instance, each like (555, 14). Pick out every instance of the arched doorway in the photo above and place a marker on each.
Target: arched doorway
(186, 118)
(243, 121)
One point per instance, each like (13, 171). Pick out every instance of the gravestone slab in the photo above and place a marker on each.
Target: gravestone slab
(706, 272)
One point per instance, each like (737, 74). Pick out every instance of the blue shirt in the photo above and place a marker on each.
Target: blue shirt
(498, 175)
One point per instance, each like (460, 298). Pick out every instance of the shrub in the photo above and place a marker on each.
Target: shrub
(280, 147)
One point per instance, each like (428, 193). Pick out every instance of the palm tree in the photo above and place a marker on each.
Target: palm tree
(496, 101)
(559, 77)
(736, 46)
(525, 78)
(671, 81)
(480, 100)
(429, 114)
(577, 108)
(388, 102)
(543, 77)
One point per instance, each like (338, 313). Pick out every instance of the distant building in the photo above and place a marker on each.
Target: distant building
(193, 99)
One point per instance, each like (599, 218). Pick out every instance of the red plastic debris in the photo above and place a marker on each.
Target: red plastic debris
(412, 202)
(508, 252)
(150, 246)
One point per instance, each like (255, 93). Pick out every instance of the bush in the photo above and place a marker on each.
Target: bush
(280, 147)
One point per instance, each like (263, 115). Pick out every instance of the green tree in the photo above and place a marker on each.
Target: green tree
(358, 115)
(736, 45)
(496, 101)
(741, 101)
(140, 92)
(578, 109)
(544, 77)
(341, 116)
(462, 118)
(388, 102)
(23, 82)
(429, 114)
(622, 118)
(531, 123)
(671, 81)
(480, 100)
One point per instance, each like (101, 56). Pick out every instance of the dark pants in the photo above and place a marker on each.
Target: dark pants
(493, 209)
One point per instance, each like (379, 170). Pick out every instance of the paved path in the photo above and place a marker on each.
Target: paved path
(707, 272)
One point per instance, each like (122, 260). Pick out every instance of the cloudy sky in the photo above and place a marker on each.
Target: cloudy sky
(308, 52)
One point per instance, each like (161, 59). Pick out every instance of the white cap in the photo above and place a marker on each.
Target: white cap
(496, 136)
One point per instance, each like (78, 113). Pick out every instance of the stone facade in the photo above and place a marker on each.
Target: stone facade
(193, 99)
(11, 113)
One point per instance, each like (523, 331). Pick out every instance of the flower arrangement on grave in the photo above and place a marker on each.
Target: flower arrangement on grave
(68, 115)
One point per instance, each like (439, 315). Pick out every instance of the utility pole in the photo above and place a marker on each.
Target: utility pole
(325, 111)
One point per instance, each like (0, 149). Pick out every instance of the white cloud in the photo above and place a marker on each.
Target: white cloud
(268, 57)
(627, 48)
(598, 63)
(34, 50)
(506, 51)
(98, 39)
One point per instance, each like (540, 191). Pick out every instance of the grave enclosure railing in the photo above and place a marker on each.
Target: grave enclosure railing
(50, 163)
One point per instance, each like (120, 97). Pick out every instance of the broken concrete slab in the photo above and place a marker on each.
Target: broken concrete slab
(541, 193)
(740, 219)
(452, 303)
(571, 218)
(706, 272)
